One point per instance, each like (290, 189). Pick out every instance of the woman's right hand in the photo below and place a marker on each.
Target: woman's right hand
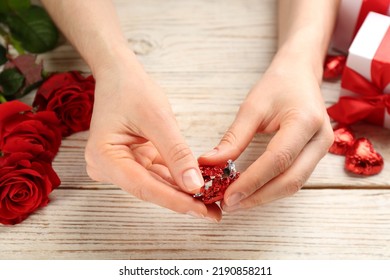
(135, 141)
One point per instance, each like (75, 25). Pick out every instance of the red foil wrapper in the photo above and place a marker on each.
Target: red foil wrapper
(343, 140)
(217, 179)
(334, 66)
(362, 158)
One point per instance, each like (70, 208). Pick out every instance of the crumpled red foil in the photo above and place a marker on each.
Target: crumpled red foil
(362, 158)
(334, 66)
(343, 140)
(217, 179)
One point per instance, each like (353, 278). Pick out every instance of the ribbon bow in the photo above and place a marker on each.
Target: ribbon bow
(370, 102)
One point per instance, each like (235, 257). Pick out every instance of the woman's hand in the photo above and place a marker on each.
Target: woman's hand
(287, 100)
(136, 144)
(134, 139)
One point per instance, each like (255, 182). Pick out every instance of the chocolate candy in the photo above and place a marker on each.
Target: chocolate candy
(334, 66)
(362, 158)
(217, 179)
(343, 140)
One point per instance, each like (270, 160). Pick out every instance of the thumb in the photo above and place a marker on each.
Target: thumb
(175, 152)
(235, 139)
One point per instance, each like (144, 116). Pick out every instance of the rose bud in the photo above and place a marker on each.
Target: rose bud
(22, 130)
(70, 95)
(25, 184)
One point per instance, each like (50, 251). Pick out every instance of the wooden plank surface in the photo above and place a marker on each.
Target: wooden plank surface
(104, 223)
(206, 55)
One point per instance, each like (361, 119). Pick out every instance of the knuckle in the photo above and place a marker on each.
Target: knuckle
(316, 119)
(250, 107)
(328, 137)
(231, 139)
(325, 139)
(295, 185)
(282, 161)
(180, 152)
(313, 119)
(292, 189)
(253, 201)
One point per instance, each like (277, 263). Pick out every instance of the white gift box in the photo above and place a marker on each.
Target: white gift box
(351, 15)
(365, 84)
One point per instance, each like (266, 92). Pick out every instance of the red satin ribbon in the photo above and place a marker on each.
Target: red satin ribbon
(378, 6)
(372, 102)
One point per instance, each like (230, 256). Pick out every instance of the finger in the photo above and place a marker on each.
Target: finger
(136, 180)
(163, 131)
(157, 171)
(163, 172)
(146, 154)
(236, 138)
(281, 152)
(293, 179)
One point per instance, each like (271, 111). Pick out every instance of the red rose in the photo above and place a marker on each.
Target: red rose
(25, 183)
(70, 96)
(22, 130)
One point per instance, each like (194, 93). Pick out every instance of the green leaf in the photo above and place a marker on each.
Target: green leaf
(9, 39)
(7, 6)
(16, 44)
(33, 28)
(2, 100)
(11, 80)
(3, 55)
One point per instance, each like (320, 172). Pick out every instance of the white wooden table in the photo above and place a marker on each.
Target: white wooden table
(206, 55)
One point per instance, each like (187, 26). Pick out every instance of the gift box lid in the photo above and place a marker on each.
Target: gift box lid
(365, 45)
(351, 15)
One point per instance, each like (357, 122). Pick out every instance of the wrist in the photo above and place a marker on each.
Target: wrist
(112, 59)
(300, 55)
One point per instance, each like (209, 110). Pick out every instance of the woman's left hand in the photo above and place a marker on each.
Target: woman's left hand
(287, 100)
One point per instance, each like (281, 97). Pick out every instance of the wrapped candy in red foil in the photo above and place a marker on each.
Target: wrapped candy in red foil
(362, 158)
(334, 66)
(343, 140)
(217, 179)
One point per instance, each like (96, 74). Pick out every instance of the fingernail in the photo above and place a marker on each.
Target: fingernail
(210, 153)
(195, 214)
(234, 199)
(192, 180)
